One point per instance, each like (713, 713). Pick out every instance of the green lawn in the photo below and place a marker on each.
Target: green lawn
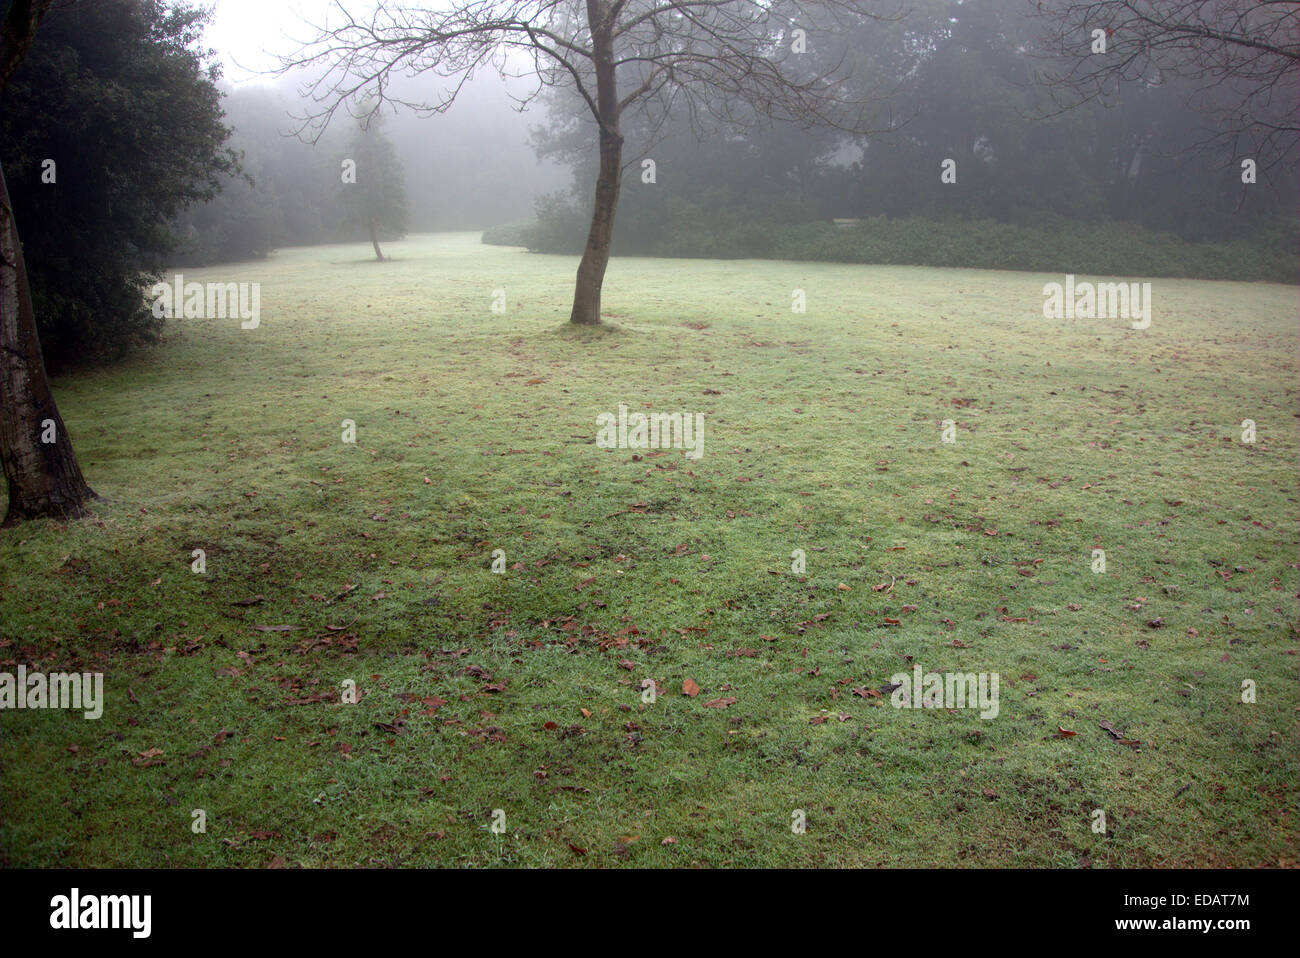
(521, 691)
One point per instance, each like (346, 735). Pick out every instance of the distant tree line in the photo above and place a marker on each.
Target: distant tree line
(461, 171)
(1137, 161)
(288, 193)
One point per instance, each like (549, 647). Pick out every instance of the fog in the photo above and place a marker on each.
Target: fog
(967, 85)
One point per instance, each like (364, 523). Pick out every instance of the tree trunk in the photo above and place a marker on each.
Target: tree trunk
(591, 271)
(595, 257)
(374, 241)
(44, 478)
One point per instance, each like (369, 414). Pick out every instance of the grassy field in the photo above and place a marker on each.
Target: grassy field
(521, 691)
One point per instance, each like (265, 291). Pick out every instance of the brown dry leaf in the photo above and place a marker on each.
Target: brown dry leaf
(148, 758)
(691, 688)
(313, 699)
(1111, 730)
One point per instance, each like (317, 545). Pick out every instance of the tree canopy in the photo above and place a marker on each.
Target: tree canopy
(110, 127)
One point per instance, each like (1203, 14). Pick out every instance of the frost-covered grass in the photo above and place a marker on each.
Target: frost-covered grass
(521, 691)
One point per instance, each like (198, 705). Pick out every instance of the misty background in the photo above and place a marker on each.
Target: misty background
(1146, 180)
(1103, 181)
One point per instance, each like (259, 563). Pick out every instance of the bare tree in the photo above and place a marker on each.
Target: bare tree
(732, 61)
(43, 475)
(1241, 58)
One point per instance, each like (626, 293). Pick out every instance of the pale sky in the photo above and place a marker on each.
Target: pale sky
(249, 33)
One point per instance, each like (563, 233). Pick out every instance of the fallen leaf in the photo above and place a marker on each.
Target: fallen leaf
(1112, 731)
